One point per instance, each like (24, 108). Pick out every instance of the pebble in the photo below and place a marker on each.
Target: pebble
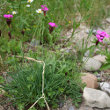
(71, 108)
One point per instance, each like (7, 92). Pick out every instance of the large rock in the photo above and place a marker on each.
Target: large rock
(100, 58)
(91, 64)
(96, 98)
(105, 87)
(90, 80)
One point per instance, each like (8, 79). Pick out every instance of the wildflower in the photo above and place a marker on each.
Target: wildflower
(28, 5)
(44, 9)
(100, 36)
(14, 12)
(69, 22)
(39, 11)
(51, 26)
(30, 1)
(8, 16)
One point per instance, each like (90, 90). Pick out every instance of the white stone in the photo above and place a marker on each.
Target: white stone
(96, 98)
(105, 87)
(100, 58)
(90, 64)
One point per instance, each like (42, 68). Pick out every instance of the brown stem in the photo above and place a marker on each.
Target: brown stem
(8, 22)
(51, 29)
(9, 34)
(97, 42)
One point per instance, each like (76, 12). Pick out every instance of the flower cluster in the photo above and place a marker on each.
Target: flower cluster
(43, 9)
(8, 16)
(101, 35)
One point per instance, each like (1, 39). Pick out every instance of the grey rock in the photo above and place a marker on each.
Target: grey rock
(34, 42)
(94, 31)
(87, 31)
(90, 64)
(87, 53)
(61, 104)
(98, 75)
(96, 98)
(71, 108)
(105, 86)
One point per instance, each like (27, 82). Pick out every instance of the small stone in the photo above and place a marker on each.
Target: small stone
(1, 108)
(87, 31)
(98, 75)
(71, 108)
(105, 87)
(87, 53)
(100, 58)
(94, 31)
(102, 79)
(61, 104)
(91, 64)
(2, 92)
(108, 20)
(96, 98)
(90, 80)
(34, 42)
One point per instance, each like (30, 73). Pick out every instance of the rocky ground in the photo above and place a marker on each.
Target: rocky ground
(96, 94)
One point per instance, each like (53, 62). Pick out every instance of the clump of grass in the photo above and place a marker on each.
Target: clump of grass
(26, 85)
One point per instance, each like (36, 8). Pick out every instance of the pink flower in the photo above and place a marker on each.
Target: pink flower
(8, 20)
(52, 24)
(100, 36)
(44, 8)
(8, 16)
